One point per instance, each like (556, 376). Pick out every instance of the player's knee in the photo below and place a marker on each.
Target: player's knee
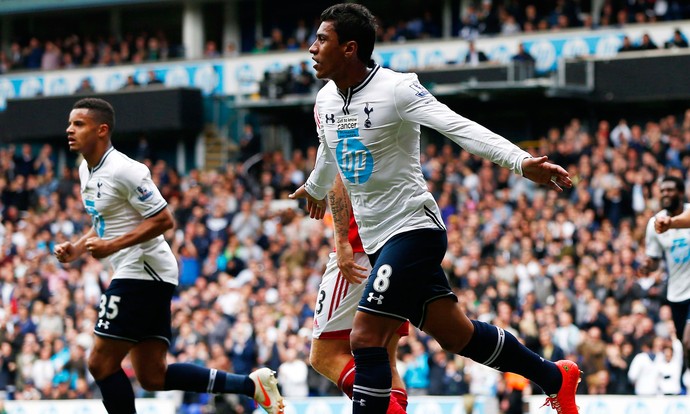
(151, 382)
(363, 339)
(452, 344)
(100, 368)
(317, 360)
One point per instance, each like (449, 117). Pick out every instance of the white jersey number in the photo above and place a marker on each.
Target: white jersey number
(383, 281)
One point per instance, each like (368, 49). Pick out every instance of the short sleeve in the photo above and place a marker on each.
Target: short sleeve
(142, 193)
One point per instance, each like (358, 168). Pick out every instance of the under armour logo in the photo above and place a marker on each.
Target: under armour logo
(378, 300)
(98, 194)
(330, 118)
(362, 402)
(103, 324)
(368, 111)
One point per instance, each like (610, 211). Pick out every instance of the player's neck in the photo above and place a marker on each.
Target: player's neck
(94, 157)
(355, 76)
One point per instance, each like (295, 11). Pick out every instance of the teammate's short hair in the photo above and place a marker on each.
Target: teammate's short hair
(353, 22)
(680, 184)
(101, 110)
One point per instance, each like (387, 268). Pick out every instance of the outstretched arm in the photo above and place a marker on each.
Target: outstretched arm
(415, 103)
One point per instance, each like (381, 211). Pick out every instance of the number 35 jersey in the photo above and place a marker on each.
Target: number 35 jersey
(119, 194)
(370, 134)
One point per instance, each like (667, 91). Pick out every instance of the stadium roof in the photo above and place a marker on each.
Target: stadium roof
(31, 6)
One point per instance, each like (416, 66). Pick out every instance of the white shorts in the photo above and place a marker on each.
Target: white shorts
(336, 302)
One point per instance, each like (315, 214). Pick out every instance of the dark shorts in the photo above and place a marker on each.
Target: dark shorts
(134, 310)
(407, 276)
(681, 315)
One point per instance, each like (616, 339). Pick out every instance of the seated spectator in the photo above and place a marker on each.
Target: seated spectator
(304, 80)
(627, 45)
(647, 43)
(85, 86)
(153, 79)
(678, 40)
(474, 56)
(130, 83)
(211, 50)
(522, 55)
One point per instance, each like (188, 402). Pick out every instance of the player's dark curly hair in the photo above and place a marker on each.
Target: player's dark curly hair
(680, 184)
(101, 110)
(353, 21)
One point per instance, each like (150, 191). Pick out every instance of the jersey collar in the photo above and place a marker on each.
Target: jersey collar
(359, 86)
(100, 163)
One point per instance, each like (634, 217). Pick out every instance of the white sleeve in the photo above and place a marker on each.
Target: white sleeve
(416, 104)
(140, 190)
(320, 180)
(652, 246)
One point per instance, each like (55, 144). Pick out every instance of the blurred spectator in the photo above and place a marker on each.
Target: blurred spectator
(33, 54)
(211, 50)
(250, 142)
(522, 55)
(643, 372)
(646, 43)
(85, 86)
(51, 58)
(678, 40)
(627, 45)
(130, 83)
(292, 375)
(304, 80)
(24, 161)
(474, 57)
(416, 374)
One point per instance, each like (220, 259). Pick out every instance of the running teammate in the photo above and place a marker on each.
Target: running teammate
(369, 122)
(339, 292)
(668, 237)
(129, 217)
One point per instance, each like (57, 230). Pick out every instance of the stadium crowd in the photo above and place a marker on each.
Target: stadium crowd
(479, 18)
(559, 271)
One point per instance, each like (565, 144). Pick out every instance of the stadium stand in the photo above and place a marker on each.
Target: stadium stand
(559, 271)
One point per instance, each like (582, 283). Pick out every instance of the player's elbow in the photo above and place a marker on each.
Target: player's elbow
(164, 220)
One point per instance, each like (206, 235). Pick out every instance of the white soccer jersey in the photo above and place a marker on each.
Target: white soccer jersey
(119, 194)
(674, 246)
(370, 134)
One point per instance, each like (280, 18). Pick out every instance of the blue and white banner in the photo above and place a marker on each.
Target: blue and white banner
(417, 405)
(144, 406)
(241, 75)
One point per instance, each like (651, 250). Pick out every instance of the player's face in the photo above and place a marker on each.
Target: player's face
(670, 196)
(328, 54)
(82, 131)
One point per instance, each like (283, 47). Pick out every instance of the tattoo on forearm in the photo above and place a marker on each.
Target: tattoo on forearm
(341, 214)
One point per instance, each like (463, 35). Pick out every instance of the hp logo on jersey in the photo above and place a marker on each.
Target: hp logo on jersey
(355, 160)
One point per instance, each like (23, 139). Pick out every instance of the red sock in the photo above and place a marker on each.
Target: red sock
(347, 378)
(400, 396)
(394, 407)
